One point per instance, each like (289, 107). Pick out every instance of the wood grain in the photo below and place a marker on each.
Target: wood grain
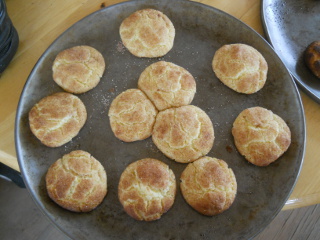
(302, 223)
(24, 221)
(40, 22)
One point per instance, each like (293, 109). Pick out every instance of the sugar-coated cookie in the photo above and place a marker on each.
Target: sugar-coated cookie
(208, 185)
(78, 69)
(183, 134)
(167, 85)
(240, 67)
(260, 135)
(147, 189)
(57, 118)
(147, 33)
(77, 182)
(132, 116)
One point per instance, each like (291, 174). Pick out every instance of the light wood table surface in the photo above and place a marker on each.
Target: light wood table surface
(40, 22)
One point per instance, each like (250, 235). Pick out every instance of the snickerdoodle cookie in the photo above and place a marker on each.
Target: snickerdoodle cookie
(183, 134)
(260, 135)
(208, 185)
(132, 116)
(78, 69)
(77, 182)
(240, 67)
(57, 118)
(147, 33)
(147, 189)
(167, 85)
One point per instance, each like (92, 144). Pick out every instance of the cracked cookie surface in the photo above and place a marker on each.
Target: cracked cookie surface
(57, 118)
(208, 185)
(78, 69)
(167, 85)
(77, 182)
(183, 134)
(147, 189)
(260, 135)
(147, 33)
(132, 116)
(240, 67)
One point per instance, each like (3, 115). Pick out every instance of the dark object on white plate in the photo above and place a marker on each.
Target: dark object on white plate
(200, 31)
(9, 39)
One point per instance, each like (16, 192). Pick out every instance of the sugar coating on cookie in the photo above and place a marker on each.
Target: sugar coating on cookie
(208, 185)
(78, 69)
(132, 116)
(240, 67)
(57, 118)
(167, 85)
(260, 135)
(147, 189)
(183, 134)
(147, 33)
(77, 182)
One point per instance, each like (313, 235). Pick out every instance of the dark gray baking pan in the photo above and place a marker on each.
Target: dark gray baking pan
(200, 31)
(290, 27)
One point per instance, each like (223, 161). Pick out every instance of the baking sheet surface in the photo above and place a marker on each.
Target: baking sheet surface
(200, 31)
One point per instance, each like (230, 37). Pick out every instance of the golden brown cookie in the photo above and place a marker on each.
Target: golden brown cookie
(78, 69)
(57, 118)
(208, 185)
(260, 135)
(132, 116)
(183, 134)
(147, 33)
(77, 182)
(167, 85)
(147, 189)
(312, 58)
(240, 67)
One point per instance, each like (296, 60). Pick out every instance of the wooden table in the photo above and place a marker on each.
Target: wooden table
(40, 22)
